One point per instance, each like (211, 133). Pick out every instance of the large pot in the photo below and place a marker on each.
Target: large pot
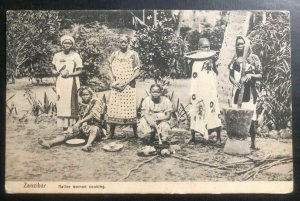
(238, 122)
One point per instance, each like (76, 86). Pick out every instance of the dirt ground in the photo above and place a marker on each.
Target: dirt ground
(26, 160)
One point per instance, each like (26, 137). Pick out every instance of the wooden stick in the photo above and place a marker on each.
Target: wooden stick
(187, 116)
(139, 165)
(242, 171)
(243, 72)
(193, 161)
(234, 163)
(10, 98)
(252, 172)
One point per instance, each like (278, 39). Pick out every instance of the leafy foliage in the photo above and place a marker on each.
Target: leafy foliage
(271, 41)
(38, 107)
(29, 38)
(214, 34)
(95, 43)
(161, 52)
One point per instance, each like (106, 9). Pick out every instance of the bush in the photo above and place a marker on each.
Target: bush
(161, 52)
(214, 34)
(29, 35)
(95, 43)
(271, 42)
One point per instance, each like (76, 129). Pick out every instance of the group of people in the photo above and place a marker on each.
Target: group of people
(86, 117)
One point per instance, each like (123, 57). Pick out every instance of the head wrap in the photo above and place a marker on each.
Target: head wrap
(81, 89)
(66, 37)
(123, 36)
(156, 85)
(247, 43)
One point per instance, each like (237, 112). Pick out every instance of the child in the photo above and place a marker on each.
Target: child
(156, 111)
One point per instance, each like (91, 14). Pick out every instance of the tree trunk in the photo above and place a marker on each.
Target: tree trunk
(238, 24)
(264, 17)
(180, 14)
(143, 15)
(195, 21)
(13, 81)
(155, 18)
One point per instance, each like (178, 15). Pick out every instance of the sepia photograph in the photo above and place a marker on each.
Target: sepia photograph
(148, 101)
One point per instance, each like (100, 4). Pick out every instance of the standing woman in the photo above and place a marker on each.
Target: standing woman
(253, 72)
(205, 111)
(121, 108)
(68, 67)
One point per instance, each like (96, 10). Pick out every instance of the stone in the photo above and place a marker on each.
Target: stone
(174, 148)
(285, 133)
(263, 131)
(274, 134)
(237, 147)
(165, 152)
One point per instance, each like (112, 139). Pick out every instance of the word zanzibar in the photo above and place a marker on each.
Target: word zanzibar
(34, 185)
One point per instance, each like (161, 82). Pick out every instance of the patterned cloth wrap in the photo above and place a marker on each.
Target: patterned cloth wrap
(95, 107)
(122, 105)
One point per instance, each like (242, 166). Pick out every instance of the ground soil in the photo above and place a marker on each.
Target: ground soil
(26, 160)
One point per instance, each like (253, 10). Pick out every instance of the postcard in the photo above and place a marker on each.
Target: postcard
(148, 101)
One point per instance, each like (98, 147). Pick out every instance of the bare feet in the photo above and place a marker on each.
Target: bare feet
(86, 148)
(69, 130)
(218, 143)
(191, 140)
(43, 143)
(109, 137)
(254, 148)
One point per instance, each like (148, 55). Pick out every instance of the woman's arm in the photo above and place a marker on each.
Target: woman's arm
(133, 77)
(85, 119)
(232, 80)
(149, 119)
(136, 66)
(80, 122)
(166, 116)
(54, 71)
(78, 66)
(76, 73)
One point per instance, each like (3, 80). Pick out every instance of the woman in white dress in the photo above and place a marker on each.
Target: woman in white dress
(205, 110)
(67, 67)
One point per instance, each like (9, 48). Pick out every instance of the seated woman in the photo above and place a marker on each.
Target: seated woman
(156, 112)
(89, 125)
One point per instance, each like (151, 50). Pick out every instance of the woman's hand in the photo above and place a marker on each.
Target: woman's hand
(150, 120)
(76, 127)
(120, 86)
(65, 74)
(237, 84)
(247, 78)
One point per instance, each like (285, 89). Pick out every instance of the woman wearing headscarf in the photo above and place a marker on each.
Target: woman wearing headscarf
(89, 125)
(121, 110)
(253, 72)
(67, 67)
